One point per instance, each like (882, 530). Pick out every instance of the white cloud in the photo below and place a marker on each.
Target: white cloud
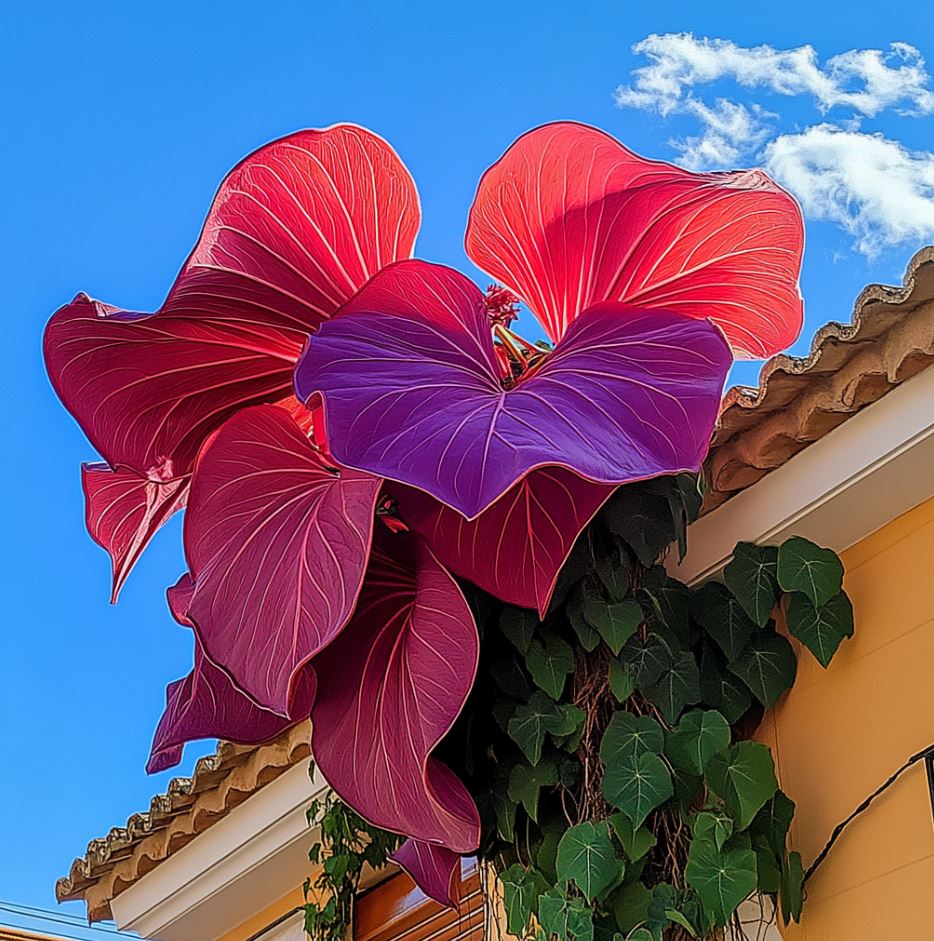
(866, 81)
(729, 131)
(874, 188)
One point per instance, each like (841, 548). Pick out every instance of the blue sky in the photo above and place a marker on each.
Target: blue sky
(120, 121)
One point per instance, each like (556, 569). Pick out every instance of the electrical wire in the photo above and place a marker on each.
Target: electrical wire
(926, 754)
(61, 918)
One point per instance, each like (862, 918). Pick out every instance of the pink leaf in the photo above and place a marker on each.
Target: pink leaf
(568, 218)
(179, 598)
(390, 687)
(516, 548)
(295, 229)
(123, 511)
(411, 391)
(434, 869)
(277, 544)
(206, 704)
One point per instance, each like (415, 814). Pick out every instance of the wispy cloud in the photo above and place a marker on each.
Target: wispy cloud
(864, 80)
(878, 191)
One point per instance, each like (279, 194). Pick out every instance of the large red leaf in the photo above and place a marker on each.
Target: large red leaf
(411, 391)
(207, 704)
(277, 543)
(294, 230)
(516, 548)
(434, 869)
(123, 510)
(568, 218)
(389, 688)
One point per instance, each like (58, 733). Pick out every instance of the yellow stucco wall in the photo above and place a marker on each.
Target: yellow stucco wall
(266, 917)
(841, 732)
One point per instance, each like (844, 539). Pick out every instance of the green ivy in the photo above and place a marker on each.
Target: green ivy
(607, 745)
(348, 844)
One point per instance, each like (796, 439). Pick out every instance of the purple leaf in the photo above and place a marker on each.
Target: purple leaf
(277, 544)
(411, 391)
(389, 688)
(515, 548)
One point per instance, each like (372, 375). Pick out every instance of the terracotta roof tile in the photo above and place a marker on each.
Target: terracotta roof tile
(889, 339)
(799, 399)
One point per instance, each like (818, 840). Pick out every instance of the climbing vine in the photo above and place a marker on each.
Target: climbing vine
(609, 747)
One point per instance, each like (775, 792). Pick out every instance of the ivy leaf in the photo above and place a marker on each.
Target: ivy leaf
(715, 608)
(613, 570)
(649, 656)
(636, 841)
(630, 906)
(808, 568)
(521, 891)
(678, 687)
(721, 879)
(622, 679)
(669, 604)
(743, 777)
(768, 866)
(768, 666)
(752, 576)
(791, 886)
(529, 723)
(774, 821)
(568, 919)
(588, 637)
(508, 676)
(722, 689)
(637, 785)
(678, 918)
(525, 783)
(550, 662)
(711, 825)
(688, 788)
(586, 858)
(628, 735)
(547, 854)
(821, 629)
(564, 719)
(641, 520)
(615, 623)
(518, 626)
(505, 809)
(700, 734)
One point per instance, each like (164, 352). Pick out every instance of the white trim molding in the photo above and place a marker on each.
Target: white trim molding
(230, 872)
(869, 470)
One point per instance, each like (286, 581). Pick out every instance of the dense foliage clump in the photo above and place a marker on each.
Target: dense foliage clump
(609, 746)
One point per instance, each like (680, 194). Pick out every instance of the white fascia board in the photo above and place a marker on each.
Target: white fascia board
(867, 471)
(256, 854)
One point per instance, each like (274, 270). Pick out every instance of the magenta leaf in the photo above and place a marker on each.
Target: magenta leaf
(569, 217)
(277, 544)
(207, 704)
(294, 230)
(515, 548)
(179, 598)
(434, 869)
(123, 511)
(389, 688)
(411, 391)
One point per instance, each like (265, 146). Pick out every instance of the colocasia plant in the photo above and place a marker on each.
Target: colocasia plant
(395, 505)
